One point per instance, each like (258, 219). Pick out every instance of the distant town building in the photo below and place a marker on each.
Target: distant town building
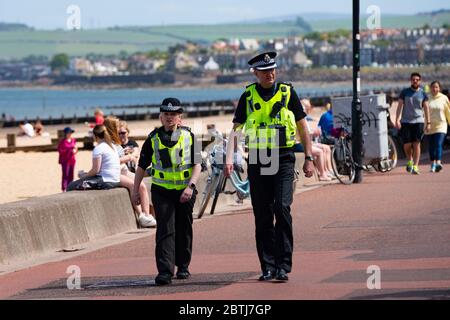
(249, 45)
(211, 65)
(183, 62)
(80, 66)
(437, 54)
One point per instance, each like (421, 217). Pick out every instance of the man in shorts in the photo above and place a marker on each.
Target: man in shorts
(412, 112)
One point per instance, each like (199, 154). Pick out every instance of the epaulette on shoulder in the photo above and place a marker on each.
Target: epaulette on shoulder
(152, 134)
(288, 84)
(185, 128)
(251, 84)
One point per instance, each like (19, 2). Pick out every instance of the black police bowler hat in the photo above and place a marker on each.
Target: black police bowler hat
(263, 61)
(171, 105)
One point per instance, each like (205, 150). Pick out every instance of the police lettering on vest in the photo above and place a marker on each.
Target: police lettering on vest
(270, 124)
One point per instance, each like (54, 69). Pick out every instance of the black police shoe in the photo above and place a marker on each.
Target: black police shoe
(183, 273)
(163, 279)
(281, 275)
(266, 276)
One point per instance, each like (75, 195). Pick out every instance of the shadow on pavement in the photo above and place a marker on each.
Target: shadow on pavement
(132, 286)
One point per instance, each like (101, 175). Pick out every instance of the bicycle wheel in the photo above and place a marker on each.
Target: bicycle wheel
(242, 187)
(343, 165)
(219, 189)
(393, 155)
(211, 185)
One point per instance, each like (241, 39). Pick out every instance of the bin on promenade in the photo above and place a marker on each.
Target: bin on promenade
(374, 123)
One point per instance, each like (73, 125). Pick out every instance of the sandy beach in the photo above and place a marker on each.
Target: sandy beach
(33, 174)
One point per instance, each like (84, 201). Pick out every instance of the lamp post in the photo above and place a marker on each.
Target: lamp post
(356, 103)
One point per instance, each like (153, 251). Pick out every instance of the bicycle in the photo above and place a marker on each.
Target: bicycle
(344, 166)
(215, 183)
(342, 159)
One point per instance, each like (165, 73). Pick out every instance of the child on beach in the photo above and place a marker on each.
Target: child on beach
(99, 118)
(67, 148)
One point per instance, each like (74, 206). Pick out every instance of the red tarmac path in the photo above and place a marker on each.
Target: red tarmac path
(396, 221)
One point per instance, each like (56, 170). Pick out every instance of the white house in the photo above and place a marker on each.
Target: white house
(211, 65)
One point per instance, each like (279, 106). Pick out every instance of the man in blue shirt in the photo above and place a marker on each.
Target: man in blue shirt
(412, 111)
(326, 122)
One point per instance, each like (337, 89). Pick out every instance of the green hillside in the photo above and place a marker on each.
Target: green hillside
(131, 39)
(21, 42)
(388, 21)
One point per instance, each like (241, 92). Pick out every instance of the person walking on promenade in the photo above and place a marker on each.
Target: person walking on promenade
(271, 113)
(175, 169)
(412, 111)
(439, 118)
(67, 149)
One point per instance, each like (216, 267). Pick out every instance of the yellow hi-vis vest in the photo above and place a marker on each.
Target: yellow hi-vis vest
(178, 173)
(261, 129)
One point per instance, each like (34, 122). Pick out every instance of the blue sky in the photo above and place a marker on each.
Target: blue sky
(49, 14)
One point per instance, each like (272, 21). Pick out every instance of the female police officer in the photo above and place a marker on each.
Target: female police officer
(271, 113)
(175, 170)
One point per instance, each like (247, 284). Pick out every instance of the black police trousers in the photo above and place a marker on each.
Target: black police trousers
(173, 230)
(271, 197)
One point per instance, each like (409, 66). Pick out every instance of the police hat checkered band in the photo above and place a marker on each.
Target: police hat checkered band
(171, 105)
(266, 67)
(263, 61)
(170, 108)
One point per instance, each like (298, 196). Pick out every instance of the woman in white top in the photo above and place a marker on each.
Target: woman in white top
(145, 219)
(105, 171)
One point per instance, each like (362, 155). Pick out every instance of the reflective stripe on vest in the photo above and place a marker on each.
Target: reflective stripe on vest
(183, 183)
(176, 176)
(264, 131)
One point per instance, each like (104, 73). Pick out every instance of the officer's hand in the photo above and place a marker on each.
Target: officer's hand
(227, 169)
(398, 124)
(186, 195)
(136, 198)
(308, 168)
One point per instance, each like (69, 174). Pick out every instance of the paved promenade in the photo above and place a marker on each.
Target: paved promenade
(396, 223)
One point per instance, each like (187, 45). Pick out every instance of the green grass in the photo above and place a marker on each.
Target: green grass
(213, 32)
(387, 22)
(18, 44)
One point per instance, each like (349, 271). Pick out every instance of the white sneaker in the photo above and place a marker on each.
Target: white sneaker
(147, 221)
(331, 175)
